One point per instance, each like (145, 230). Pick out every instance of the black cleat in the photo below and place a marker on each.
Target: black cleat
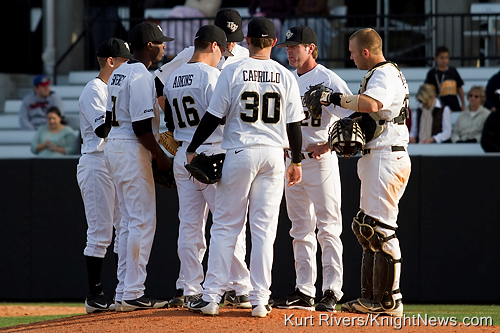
(328, 302)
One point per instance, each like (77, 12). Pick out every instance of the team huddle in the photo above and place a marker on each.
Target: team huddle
(221, 99)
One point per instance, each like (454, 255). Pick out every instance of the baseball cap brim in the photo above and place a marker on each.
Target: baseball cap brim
(44, 83)
(237, 36)
(226, 52)
(165, 39)
(288, 43)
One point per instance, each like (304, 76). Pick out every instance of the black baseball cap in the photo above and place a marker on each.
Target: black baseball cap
(299, 35)
(229, 20)
(261, 27)
(114, 47)
(212, 33)
(146, 32)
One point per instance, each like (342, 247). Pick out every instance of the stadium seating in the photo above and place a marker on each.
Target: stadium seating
(15, 143)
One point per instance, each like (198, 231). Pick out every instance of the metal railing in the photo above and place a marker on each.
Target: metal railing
(409, 40)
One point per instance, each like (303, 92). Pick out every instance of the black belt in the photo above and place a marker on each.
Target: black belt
(304, 156)
(393, 148)
(203, 144)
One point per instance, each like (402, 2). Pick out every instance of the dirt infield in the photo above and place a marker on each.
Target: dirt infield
(181, 320)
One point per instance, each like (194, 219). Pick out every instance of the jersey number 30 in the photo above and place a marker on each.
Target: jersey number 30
(269, 116)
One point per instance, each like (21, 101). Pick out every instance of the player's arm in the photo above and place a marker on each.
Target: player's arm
(358, 103)
(294, 170)
(159, 93)
(144, 131)
(207, 126)
(169, 119)
(102, 131)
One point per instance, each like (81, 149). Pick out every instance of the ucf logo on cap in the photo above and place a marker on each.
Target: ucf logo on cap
(289, 34)
(232, 26)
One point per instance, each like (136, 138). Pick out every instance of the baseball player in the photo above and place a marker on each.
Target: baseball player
(315, 202)
(94, 179)
(261, 102)
(187, 94)
(133, 115)
(228, 20)
(384, 171)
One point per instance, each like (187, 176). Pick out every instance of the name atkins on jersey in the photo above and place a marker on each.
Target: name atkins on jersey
(261, 76)
(182, 81)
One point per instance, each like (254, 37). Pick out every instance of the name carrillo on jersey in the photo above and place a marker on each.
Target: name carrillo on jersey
(261, 76)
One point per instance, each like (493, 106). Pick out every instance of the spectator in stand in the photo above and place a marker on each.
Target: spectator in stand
(492, 96)
(470, 122)
(446, 80)
(490, 139)
(431, 122)
(34, 108)
(54, 138)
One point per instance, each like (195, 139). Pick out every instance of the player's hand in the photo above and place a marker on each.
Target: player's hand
(293, 174)
(429, 140)
(189, 157)
(164, 163)
(413, 140)
(318, 150)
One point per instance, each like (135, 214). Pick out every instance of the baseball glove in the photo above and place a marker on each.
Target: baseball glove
(164, 178)
(167, 141)
(346, 137)
(312, 99)
(206, 169)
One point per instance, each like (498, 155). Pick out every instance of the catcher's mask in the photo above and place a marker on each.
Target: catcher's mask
(346, 137)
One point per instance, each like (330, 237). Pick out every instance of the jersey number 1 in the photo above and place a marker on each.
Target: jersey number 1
(114, 122)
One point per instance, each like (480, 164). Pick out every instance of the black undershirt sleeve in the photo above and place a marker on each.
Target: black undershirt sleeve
(294, 132)
(103, 130)
(169, 120)
(207, 126)
(159, 87)
(142, 127)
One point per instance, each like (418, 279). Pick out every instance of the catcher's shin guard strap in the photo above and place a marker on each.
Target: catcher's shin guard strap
(349, 102)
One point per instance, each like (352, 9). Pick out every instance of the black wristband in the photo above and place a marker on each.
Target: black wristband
(335, 98)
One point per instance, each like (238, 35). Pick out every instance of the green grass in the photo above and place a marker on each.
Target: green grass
(458, 311)
(13, 321)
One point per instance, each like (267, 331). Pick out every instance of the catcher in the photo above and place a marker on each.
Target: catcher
(384, 171)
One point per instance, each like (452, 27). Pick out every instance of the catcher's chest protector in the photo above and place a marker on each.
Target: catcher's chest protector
(371, 124)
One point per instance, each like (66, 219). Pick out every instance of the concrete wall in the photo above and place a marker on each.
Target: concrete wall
(448, 233)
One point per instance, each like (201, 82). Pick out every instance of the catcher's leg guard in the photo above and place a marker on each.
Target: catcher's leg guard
(387, 259)
(366, 260)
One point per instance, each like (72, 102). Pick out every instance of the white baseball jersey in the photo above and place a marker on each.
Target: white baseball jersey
(131, 98)
(188, 91)
(258, 98)
(314, 203)
(315, 131)
(96, 186)
(388, 86)
(269, 97)
(185, 55)
(92, 105)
